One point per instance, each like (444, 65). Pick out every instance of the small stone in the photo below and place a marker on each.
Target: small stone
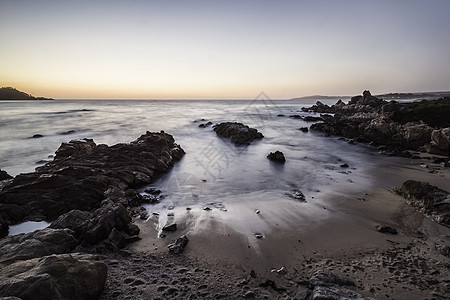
(386, 229)
(170, 214)
(259, 235)
(424, 166)
(170, 228)
(249, 294)
(207, 208)
(304, 129)
(344, 165)
(258, 211)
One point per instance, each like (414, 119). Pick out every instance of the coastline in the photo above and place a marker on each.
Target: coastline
(338, 234)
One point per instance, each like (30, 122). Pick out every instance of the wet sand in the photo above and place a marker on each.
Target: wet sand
(332, 230)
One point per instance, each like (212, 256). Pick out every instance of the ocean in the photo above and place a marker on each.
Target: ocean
(213, 170)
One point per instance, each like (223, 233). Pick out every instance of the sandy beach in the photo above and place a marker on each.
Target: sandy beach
(333, 230)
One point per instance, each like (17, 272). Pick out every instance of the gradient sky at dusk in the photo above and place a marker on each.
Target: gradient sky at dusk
(223, 49)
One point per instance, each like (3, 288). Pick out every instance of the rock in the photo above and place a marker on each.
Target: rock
(386, 229)
(297, 195)
(4, 175)
(249, 294)
(295, 117)
(327, 278)
(152, 191)
(82, 174)
(75, 220)
(312, 119)
(302, 293)
(431, 200)
(440, 142)
(53, 277)
(36, 244)
(259, 235)
(4, 228)
(303, 129)
(334, 293)
(179, 245)
(277, 156)
(37, 136)
(344, 165)
(442, 247)
(170, 228)
(238, 133)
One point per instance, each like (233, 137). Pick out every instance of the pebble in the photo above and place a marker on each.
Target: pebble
(259, 235)
(258, 211)
(206, 208)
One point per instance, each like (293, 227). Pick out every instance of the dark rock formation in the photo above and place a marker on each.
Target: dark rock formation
(399, 126)
(312, 119)
(327, 278)
(303, 129)
(386, 229)
(238, 133)
(440, 142)
(36, 244)
(178, 246)
(170, 228)
(4, 175)
(277, 156)
(83, 174)
(431, 200)
(53, 277)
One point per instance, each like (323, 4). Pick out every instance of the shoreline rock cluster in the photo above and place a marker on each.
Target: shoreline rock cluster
(87, 192)
(238, 133)
(422, 126)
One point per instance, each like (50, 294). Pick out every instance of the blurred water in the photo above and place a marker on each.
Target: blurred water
(213, 170)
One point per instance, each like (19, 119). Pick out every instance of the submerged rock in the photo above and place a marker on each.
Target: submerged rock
(238, 133)
(277, 156)
(431, 200)
(297, 195)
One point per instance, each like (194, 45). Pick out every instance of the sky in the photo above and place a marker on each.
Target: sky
(223, 49)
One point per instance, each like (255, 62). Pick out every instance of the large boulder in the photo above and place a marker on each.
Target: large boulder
(238, 133)
(53, 277)
(82, 173)
(277, 157)
(431, 200)
(36, 244)
(440, 142)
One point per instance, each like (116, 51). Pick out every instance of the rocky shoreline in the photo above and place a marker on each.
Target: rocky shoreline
(394, 127)
(93, 248)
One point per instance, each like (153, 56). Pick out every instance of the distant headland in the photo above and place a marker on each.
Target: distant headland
(9, 93)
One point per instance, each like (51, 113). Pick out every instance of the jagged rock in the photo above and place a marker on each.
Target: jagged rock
(334, 293)
(82, 175)
(303, 129)
(4, 228)
(178, 246)
(238, 133)
(53, 277)
(36, 244)
(4, 175)
(297, 195)
(312, 119)
(431, 200)
(75, 220)
(440, 142)
(386, 229)
(277, 156)
(170, 228)
(327, 278)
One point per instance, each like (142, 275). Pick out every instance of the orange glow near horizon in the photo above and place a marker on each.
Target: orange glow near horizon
(160, 50)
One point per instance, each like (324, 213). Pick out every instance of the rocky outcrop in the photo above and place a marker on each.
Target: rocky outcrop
(399, 126)
(238, 133)
(277, 157)
(329, 286)
(4, 175)
(36, 244)
(431, 200)
(83, 173)
(440, 142)
(53, 277)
